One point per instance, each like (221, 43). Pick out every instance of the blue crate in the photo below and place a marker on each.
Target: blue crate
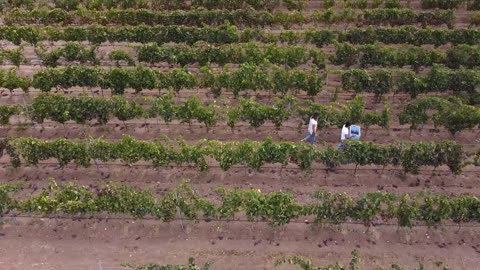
(355, 133)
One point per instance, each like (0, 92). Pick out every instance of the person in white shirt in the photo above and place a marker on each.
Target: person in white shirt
(312, 129)
(345, 135)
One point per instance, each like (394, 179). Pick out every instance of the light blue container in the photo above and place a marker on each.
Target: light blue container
(355, 133)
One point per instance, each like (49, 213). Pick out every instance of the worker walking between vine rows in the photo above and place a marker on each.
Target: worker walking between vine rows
(312, 129)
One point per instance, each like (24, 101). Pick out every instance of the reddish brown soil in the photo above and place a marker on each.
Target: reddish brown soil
(33, 243)
(92, 244)
(290, 131)
(64, 244)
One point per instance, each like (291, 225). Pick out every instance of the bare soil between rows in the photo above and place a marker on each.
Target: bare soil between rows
(87, 244)
(291, 131)
(57, 244)
(269, 178)
(64, 244)
(18, 96)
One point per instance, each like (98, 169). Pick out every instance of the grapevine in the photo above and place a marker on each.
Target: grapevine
(278, 208)
(411, 156)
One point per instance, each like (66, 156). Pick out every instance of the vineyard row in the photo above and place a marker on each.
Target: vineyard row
(253, 154)
(253, 52)
(231, 34)
(299, 261)
(278, 208)
(230, 4)
(244, 17)
(157, 4)
(267, 77)
(61, 108)
(450, 113)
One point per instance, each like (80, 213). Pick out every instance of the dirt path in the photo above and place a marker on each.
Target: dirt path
(268, 179)
(292, 131)
(65, 244)
(56, 244)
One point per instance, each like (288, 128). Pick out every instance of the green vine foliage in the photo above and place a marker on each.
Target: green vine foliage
(10, 80)
(193, 108)
(14, 56)
(83, 109)
(252, 154)
(120, 55)
(463, 56)
(257, 114)
(259, 53)
(191, 266)
(330, 207)
(437, 80)
(420, 154)
(240, 16)
(253, 77)
(373, 4)
(336, 114)
(127, 5)
(157, 5)
(62, 108)
(164, 107)
(247, 77)
(395, 17)
(474, 18)
(376, 55)
(6, 202)
(71, 52)
(143, 16)
(7, 111)
(306, 264)
(442, 4)
(224, 34)
(379, 82)
(450, 113)
(252, 52)
(278, 208)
